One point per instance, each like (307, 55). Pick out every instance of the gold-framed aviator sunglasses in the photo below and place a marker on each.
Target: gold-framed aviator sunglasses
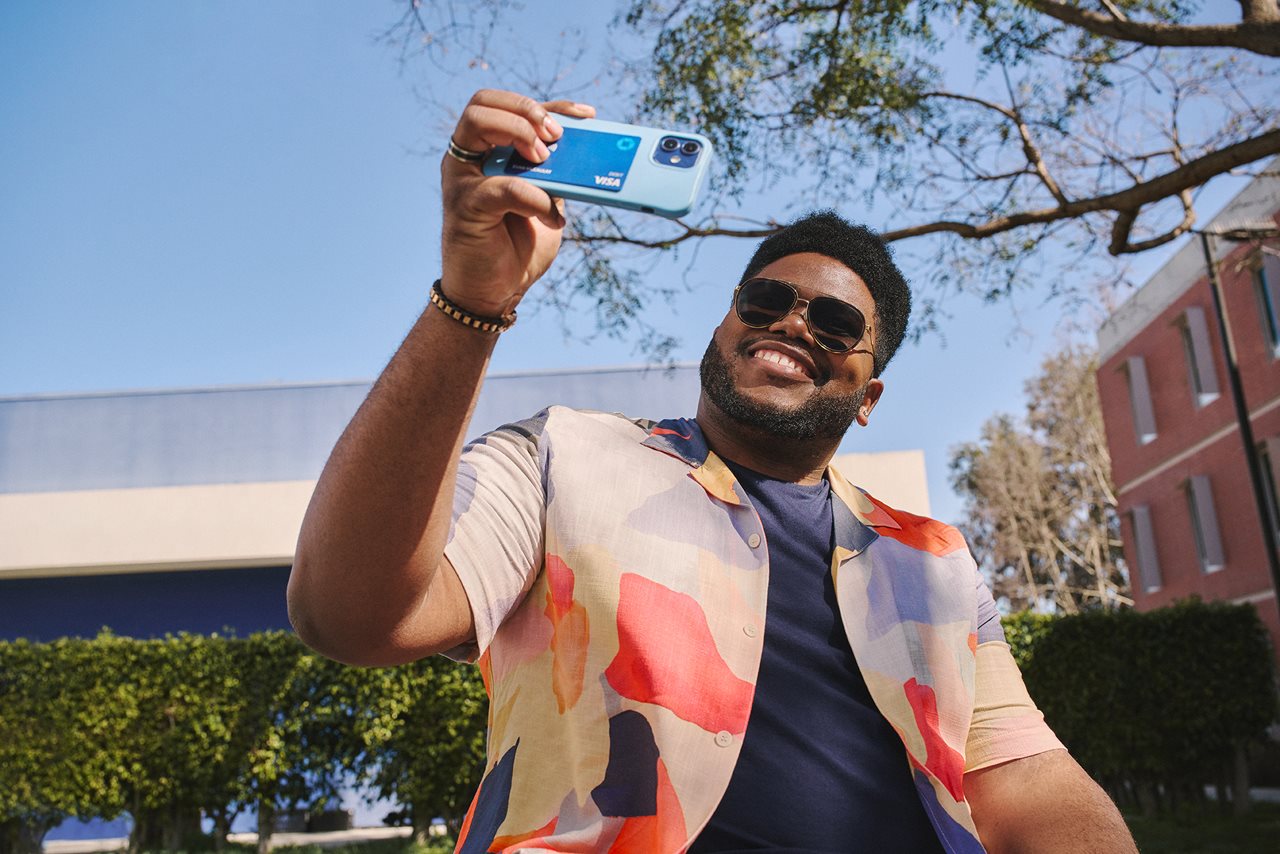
(835, 325)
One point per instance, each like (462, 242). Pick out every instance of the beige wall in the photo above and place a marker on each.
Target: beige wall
(895, 477)
(132, 530)
(252, 524)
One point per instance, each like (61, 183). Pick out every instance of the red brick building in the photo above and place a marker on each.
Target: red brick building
(1189, 518)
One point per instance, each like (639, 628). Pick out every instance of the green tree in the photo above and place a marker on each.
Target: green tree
(60, 723)
(311, 726)
(433, 755)
(1040, 509)
(181, 697)
(981, 131)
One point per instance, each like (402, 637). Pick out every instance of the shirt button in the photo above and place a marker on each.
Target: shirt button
(750, 630)
(723, 738)
(753, 541)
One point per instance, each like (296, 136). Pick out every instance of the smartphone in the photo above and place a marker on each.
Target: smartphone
(610, 163)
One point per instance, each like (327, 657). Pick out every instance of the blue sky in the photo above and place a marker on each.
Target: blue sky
(224, 193)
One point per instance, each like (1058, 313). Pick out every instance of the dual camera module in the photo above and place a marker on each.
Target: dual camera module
(677, 151)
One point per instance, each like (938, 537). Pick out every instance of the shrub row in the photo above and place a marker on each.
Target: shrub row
(1158, 701)
(170, 729)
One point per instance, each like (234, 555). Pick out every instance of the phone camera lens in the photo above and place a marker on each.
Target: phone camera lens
(670, 144)
(690, 148)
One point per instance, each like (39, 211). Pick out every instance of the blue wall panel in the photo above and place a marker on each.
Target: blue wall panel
(268, 433)
(145, 604)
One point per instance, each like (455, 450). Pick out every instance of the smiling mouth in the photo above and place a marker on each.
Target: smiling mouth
(784, 359)
(781, 360)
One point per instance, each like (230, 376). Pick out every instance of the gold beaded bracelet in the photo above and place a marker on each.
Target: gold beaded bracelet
(492, 325)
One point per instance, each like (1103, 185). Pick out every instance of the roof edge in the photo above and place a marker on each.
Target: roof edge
(276, 386)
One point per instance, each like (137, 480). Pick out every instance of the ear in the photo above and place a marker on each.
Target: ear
(875, 388)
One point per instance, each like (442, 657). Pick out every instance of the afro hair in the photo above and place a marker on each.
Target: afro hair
(862, 251)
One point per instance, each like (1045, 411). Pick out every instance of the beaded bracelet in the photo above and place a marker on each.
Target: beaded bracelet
(492, 325)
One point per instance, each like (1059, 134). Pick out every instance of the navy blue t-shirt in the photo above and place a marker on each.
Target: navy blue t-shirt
(821, 770)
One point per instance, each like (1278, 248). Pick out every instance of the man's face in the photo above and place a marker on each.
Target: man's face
(777, 379)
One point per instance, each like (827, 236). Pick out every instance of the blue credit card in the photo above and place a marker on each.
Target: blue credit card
(583, 158)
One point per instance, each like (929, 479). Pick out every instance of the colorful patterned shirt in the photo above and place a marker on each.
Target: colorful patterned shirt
(617, 576)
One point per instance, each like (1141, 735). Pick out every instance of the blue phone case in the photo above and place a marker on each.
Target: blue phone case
(610, 163)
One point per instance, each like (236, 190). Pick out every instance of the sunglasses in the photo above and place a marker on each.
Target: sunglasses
(835, 325)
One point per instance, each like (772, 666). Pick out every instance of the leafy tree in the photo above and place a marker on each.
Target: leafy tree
(312, 724)
(59, 723)
(1040, 509)
(982, 131)
(433, 754)
(181, 696)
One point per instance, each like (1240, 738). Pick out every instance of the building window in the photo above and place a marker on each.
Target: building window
(1204, 523)
(1195, 343)
(1268, 458)
(1266, 285)
(1144, 546)
(1144, 417)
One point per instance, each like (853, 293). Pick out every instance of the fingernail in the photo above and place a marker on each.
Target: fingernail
(541, 148)
(552, 125)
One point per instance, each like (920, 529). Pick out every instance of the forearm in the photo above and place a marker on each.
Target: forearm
(1044, 803)
(375, 530)
(368, 585)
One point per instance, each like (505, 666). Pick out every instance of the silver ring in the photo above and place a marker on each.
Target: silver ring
(464, 155)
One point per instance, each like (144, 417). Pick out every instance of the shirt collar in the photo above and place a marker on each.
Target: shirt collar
(682, 438)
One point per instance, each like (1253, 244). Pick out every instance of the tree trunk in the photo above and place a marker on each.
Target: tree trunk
(221, 827)
(420, 833)
(1240, 783)
(1147, 799)
(266, 817)
(147, 833)
(171, 828)
(24, 836)
(181, 828)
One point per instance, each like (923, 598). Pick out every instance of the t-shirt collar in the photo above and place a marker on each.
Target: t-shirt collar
(682, 438)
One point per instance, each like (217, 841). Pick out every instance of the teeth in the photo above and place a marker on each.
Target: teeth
(779, 359)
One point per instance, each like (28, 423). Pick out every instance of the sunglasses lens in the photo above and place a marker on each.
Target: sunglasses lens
(835, 324)
(761, 302)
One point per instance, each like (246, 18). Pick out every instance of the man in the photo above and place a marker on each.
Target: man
(695, 635)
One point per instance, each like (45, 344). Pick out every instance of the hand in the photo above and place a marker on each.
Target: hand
(500, 233)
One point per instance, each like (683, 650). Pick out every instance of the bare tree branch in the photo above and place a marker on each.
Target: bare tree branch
(1097, 132)
(1260, 33)
(1125, 203)
(1174, 182)
(1120, 243)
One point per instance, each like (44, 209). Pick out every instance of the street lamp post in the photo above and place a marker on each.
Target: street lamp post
(1237, 388)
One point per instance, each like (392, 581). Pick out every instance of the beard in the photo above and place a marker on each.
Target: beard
(822, 416)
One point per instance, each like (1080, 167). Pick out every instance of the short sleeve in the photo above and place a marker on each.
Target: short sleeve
(1006, 724)
(989, 628)
(496, 536)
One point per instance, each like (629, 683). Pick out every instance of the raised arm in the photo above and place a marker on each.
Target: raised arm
(369, 583)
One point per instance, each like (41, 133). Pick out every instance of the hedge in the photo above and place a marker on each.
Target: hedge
(171, 729)
(1157, 701)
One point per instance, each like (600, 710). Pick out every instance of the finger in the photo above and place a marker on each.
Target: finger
(483, 127)
(571, 108)
(521, 105)
(567, 108)
(499, 196)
